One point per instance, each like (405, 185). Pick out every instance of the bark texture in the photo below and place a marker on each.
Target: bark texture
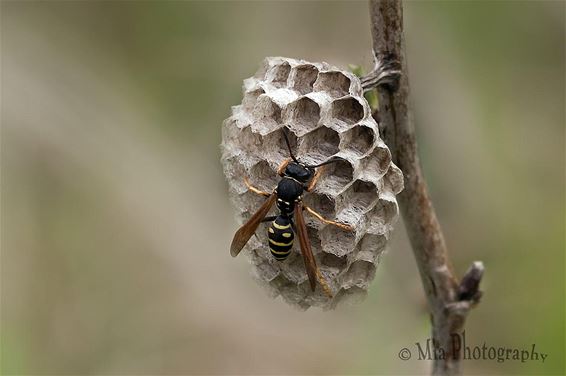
(449, 299)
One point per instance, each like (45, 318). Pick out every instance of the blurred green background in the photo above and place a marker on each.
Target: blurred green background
(115, 215)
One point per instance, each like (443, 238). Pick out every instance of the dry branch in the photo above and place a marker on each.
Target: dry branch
(449, 300)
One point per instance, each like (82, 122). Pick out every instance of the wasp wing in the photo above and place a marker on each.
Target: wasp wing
(248, 229)
(306, 250)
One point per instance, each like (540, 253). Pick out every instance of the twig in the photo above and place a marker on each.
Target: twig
(449, 300)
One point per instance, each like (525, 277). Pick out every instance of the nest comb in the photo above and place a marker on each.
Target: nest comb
(326, 115)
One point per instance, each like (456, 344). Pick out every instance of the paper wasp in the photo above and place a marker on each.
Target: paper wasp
(296, 177)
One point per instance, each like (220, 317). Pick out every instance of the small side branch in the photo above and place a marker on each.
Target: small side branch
(449, 300)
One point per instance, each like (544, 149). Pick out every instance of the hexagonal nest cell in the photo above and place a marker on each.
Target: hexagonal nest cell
(394, 179)
(265, 176)
(249, 138)
(250, 99)
(336, 84)
(292, 271)
(249, 202)
(336, 177)
(359, 140)
(322, 204)
(349, 296)
(302, 115)
(235, 173)
(346, 112)
(278, 74)
(359, 274)
(370, 247)
(362, 195)
(274, 148)
(333, 261)
(383, 215)
(324, 113)
(377, 163)
(337, 241)
(266, 115)
(319, 145)
(303, 78)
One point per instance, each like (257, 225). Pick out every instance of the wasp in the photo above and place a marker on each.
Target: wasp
(296, 178)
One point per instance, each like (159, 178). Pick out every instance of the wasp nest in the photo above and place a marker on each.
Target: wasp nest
(326, 115)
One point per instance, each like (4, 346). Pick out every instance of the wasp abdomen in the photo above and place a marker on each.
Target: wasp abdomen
(281, 238)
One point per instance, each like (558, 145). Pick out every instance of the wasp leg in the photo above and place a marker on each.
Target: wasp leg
(315, 178)
(283, 166)
(327, 221)
(254, 189)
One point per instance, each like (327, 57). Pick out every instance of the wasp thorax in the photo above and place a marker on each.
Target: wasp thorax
(326, 117)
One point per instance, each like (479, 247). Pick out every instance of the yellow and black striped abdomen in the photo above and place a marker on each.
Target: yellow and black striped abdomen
(281, 237)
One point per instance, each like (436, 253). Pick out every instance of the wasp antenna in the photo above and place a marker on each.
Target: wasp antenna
(289, 145)
(335, 159)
